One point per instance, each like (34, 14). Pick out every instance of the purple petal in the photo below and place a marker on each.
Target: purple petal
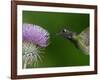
(35, 34)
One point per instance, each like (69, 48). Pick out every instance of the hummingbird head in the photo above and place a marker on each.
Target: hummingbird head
(66, 33)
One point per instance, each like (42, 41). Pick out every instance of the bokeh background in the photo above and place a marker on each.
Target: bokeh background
(60, 52)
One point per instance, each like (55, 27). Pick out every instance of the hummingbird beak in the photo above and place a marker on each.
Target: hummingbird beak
(57, 33)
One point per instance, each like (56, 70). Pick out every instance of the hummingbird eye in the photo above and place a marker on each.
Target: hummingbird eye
(64, 30)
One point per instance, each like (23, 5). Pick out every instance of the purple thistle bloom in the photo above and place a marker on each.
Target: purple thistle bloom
(35, 34)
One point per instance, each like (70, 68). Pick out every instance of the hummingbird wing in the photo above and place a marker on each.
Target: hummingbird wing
(83, 40)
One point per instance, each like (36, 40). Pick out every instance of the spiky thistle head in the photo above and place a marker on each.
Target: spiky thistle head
(31, 54)
(35, 38)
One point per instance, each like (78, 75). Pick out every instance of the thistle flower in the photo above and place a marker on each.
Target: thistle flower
(35, 34)
(35, 38)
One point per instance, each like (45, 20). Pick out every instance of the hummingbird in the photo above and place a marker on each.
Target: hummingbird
(81, 40)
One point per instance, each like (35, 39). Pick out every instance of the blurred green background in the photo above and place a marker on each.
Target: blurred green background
(61, 52)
